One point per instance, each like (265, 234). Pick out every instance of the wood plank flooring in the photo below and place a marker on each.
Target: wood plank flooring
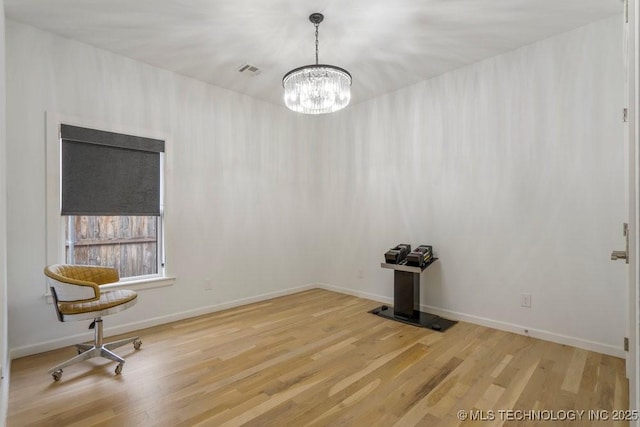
(317, 358)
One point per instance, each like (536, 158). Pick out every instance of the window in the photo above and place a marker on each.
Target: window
(104, 201)
(110, 186)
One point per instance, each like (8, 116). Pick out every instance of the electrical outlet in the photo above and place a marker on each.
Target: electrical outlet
(208, 285)
(525, 300)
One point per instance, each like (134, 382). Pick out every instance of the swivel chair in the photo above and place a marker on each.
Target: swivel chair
(77, 295)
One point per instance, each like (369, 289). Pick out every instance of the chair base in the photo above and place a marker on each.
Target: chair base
(97, 349)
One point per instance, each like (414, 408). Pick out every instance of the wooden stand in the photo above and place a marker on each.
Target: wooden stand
(406, 299)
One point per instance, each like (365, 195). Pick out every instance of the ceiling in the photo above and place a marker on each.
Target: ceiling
(384, 44)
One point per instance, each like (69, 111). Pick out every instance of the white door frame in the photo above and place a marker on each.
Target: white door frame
(634, 207)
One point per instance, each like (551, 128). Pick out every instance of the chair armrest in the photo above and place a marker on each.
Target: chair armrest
(73, 290)
(75, 283)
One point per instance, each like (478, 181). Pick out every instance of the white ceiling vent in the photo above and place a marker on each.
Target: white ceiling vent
(250, 70)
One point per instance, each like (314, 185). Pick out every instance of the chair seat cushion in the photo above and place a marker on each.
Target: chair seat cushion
(108, 299)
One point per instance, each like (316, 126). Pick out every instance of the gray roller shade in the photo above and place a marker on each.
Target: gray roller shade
(106, 173)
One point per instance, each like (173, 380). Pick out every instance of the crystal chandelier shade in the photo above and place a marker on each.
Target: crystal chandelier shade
(319, 88)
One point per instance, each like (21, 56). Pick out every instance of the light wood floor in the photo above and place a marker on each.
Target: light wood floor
(315, 358)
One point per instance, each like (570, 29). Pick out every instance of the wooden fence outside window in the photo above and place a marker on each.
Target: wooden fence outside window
(128, 243)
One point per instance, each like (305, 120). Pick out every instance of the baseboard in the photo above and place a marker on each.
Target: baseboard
(359, 294)
(147, 323)
(495, 324)
(4, 392)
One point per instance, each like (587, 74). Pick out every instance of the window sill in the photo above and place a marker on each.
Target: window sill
(140, 284)
(134, 285)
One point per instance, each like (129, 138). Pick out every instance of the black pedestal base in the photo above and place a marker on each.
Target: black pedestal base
(419, 318)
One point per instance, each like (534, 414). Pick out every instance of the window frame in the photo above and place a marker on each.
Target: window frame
(55, 222)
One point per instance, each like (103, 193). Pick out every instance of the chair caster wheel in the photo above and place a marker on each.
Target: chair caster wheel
(137, 344)
(57, 375)
(119, 368)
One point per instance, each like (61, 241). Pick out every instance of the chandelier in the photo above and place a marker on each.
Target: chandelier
(319, 88)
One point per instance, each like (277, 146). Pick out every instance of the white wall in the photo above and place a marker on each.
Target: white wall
(4, 359)
(238, 180)
(513, 168)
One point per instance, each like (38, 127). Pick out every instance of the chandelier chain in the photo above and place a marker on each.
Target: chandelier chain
(317, 25)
